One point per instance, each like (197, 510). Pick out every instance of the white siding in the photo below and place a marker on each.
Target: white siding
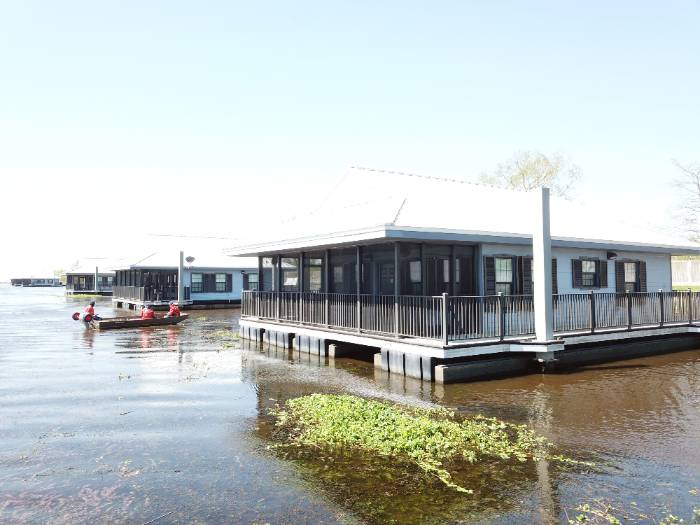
(658, 265)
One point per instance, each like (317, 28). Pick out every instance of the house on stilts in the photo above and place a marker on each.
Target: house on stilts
(446, 281)
(91, 276)
(193, 278)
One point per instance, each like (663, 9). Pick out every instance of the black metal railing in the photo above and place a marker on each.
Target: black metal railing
(462, 318)
(145, 293)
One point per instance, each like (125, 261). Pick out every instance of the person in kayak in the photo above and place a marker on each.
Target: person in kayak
(90, 310)
(148, 312)
(174, 310)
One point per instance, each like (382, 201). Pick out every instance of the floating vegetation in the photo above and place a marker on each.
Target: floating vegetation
(226, 336)
(600, 512)
(427, 437)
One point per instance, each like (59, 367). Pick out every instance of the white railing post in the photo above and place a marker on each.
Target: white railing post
(628, 296)
(501, 316)
(445, 332)
(690, 307)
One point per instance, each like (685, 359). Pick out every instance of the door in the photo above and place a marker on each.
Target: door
(437, 275)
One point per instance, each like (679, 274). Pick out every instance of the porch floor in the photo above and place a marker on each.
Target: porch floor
(477, 346)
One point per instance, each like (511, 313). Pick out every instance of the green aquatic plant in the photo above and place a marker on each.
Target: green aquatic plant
(427, 437)
(226, 336)
(601, 512)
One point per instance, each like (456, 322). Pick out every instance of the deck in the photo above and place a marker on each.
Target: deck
(451, 321)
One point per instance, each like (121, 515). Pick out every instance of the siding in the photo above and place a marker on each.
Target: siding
(658, 265)
(237, 282)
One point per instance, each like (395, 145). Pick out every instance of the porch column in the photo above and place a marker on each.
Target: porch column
(180, 274)
(358, 284)
(300, 273)
(97, 272)
(278, 273)
(326, 286)
(397, 288)
(423, 270)
(542, 269)
(453, 271)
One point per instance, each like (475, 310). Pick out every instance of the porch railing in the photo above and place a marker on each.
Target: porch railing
(463, 318)
(145, 293)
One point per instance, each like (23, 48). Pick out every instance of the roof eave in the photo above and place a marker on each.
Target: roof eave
(410, 233)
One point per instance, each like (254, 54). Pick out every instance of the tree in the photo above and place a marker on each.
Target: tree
(689, 184)
(531, 169)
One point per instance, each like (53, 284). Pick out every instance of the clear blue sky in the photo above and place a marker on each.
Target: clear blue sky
(225, 108)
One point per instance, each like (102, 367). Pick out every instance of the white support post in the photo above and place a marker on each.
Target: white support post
(180, 275)
(542, 269)
(97, 273)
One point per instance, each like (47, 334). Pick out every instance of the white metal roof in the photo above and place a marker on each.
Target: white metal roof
(87, 265)
(368, 205)
(202, 260)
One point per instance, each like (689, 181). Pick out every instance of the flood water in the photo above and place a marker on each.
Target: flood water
(170, 425)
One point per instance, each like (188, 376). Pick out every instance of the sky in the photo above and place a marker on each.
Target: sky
(122, 121)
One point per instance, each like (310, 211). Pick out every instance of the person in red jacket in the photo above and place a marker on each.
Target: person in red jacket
(90, 310)
(148, 312)
(174, 310)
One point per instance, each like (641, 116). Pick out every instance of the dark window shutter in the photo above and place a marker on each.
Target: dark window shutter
(642, 267)
(489, 276)
(603, 273)
(555, 278)
(619, 277)
(210, 279)
(526, 275)
(229, 282)
(246, 285)
(576, 271)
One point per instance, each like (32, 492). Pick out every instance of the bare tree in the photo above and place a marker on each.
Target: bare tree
(531, 169)
(689, 184)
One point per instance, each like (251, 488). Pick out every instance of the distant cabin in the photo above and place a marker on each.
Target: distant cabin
(33, 282)
(207, 280)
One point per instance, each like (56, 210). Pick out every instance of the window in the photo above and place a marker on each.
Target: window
(290, 274)
(268, 278)
(630, 277)
(220, 282)
(386, 278)
(252, 281)
(313, 274)
(197, 283)
(414, 271)
(504, 275)
(338, 277)
(588, 273)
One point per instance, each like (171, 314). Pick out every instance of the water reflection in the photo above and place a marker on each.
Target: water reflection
(154, 421)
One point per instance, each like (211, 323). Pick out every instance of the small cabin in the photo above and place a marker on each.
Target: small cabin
(84, 283)
(193, 279)
(91, 276)
(34, 282)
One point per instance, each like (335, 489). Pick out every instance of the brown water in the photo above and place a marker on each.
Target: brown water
(170, 424)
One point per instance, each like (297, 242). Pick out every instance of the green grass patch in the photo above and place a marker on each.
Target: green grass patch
(686, 288)
(428, 437)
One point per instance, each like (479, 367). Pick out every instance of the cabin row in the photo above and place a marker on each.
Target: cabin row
(193, 279)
